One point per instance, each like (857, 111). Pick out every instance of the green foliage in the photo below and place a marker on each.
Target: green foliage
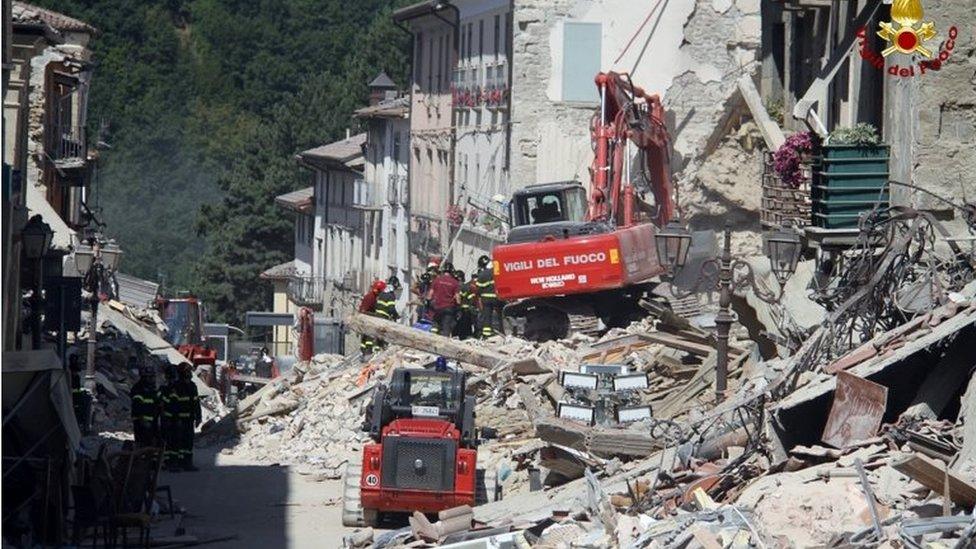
(775, 111)
(206, 102)
(862, 134)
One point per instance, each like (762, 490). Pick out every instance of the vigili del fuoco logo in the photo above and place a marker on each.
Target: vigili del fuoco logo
(908, 35)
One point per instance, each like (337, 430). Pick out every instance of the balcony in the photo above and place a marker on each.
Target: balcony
(308, 291)
(68, 148)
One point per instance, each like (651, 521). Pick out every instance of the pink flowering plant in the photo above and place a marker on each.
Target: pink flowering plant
(787, 160)
(455, 216)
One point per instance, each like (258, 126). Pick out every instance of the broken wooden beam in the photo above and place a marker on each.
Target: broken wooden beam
(771, 132)
(463, 351)
(933, 474)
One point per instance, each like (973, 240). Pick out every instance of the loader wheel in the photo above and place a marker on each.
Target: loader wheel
(486, 487)
(353, 514)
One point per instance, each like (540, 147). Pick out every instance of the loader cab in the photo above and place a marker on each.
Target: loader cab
(549, 209)
(420, 393)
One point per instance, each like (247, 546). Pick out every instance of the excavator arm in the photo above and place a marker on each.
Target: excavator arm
(628, 114)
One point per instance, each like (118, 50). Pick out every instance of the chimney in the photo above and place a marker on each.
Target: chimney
(380, 88)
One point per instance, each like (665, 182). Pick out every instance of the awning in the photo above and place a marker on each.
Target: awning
(37, 403)
(37, 204)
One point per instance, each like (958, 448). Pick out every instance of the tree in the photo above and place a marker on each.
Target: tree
(206, 102)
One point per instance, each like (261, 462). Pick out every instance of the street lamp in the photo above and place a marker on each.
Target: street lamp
(93, 258)
(672, 243)
(782, 247)
(111, 255)
(84, 257)
(36, 240)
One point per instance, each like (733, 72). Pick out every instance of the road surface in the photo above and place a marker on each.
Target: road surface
(263, 506)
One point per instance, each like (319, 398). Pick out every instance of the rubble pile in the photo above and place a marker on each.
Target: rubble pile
(305, 419)
(853, 433)
(125, 333)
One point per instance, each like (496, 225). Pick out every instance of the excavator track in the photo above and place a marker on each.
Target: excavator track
(585, 324)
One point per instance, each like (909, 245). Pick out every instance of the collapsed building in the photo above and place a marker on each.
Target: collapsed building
(851, 430)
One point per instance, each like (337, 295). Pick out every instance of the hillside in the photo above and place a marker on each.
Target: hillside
(201, 105)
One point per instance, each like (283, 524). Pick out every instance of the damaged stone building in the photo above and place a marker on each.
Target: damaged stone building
(824, 61)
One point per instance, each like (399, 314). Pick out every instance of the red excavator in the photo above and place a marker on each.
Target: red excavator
(184, 318)
(572, 257)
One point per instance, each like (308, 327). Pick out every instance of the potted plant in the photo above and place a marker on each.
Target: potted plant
(852, 177)
(789, 159)
(455, 216)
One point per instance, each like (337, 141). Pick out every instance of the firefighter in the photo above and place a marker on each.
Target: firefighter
(490, 307)
(475, 310)
(169, 422)
(188, 416)
(465, 317)
(367, 306)
(386, 302)
(145, 408)
(443, 297)
(420, 289)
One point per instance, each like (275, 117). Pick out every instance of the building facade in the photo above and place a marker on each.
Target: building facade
(928, 120)
(46, 158)
(480, 96)
(434, 36)
(385, 189)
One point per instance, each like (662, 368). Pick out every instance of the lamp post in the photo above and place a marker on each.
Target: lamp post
(36, 239)
(782, 247)
(93, 259)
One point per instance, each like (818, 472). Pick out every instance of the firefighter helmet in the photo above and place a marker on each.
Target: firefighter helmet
(447, 267)
(379, 286)
(393, 282)
(483, 261)
(459, 274)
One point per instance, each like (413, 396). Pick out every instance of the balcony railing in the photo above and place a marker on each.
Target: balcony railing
(306, 290)
(69, 143)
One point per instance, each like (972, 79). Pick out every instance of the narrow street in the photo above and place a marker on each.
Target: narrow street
(260, 505)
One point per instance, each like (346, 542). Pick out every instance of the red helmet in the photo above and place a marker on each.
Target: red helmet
(379, 286)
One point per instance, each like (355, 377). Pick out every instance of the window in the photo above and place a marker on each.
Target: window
(447, 60)
(462, 47)
(498, 34)
(581, 60)
(470, 42)
(440, 62)
(430, 65)
(481, 37)
(417, 68)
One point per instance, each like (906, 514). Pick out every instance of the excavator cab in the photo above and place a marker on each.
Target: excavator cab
(550, 209)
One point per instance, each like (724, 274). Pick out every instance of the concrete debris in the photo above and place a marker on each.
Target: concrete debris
(688, 471)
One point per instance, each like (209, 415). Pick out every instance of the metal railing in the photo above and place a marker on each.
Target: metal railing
(306, 290)
(69, 142)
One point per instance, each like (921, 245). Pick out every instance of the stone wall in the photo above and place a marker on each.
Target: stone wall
(721, 43)
(718, 42)
(931, 118)
(532, 112)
